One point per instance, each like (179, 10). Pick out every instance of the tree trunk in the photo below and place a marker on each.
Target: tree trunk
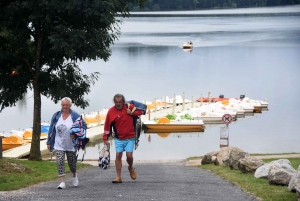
(35, 151)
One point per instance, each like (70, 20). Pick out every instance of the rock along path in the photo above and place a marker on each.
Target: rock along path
(155, 181)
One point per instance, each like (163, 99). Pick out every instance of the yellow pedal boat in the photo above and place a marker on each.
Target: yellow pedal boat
(164, 125)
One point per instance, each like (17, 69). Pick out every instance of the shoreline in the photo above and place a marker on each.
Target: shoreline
(193, 161)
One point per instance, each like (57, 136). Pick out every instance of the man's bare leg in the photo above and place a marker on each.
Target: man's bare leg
(129, 159)
(118, 163)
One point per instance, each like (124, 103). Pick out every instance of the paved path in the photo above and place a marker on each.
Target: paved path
(158, 182)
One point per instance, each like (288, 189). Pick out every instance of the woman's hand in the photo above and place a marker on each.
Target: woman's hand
(48, 146)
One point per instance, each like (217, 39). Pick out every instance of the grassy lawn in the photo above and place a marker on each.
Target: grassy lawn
(16, 174)
(258, 187)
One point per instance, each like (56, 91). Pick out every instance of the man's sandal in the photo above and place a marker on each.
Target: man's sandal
(132, 173)
(117, 180)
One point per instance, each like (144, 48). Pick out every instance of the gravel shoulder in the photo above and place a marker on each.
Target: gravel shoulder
(194, 162)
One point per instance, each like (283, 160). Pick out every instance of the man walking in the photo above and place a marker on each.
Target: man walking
(119, 117)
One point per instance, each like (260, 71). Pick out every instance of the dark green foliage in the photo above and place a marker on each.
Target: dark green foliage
(45, 37)
(41, 42)
(156, 5)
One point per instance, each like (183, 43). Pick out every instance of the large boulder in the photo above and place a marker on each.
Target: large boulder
(291, 186)
(224, 154)
(280, 174)
(295, 181)
(249, 164)
(262, 171)
(209, 158)
(234, 157)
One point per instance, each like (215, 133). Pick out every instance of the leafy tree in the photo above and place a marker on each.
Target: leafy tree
(41, 42)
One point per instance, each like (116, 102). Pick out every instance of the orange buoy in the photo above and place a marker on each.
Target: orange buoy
(163, 120)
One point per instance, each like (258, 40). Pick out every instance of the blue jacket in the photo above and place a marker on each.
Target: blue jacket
(52, 130)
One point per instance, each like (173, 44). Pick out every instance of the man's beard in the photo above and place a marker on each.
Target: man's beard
(119, 107)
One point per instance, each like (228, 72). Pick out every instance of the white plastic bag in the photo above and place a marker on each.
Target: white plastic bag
(104, 157)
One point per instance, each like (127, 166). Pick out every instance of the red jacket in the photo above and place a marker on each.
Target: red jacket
(123, 122)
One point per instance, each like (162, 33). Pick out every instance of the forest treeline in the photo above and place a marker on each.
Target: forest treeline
(164, 5)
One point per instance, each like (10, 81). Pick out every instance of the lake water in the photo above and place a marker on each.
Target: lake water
(255, 52)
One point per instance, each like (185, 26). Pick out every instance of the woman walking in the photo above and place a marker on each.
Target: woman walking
(59, 138)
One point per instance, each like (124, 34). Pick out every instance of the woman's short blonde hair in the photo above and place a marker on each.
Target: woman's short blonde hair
(67, 99)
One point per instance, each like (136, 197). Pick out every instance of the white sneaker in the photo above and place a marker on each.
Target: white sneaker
(61, 185)
(75, 181)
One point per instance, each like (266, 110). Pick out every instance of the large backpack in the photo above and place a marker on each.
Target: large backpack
(136, 120)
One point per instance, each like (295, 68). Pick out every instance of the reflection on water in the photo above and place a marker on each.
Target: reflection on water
(163, 135)
(188, 50)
